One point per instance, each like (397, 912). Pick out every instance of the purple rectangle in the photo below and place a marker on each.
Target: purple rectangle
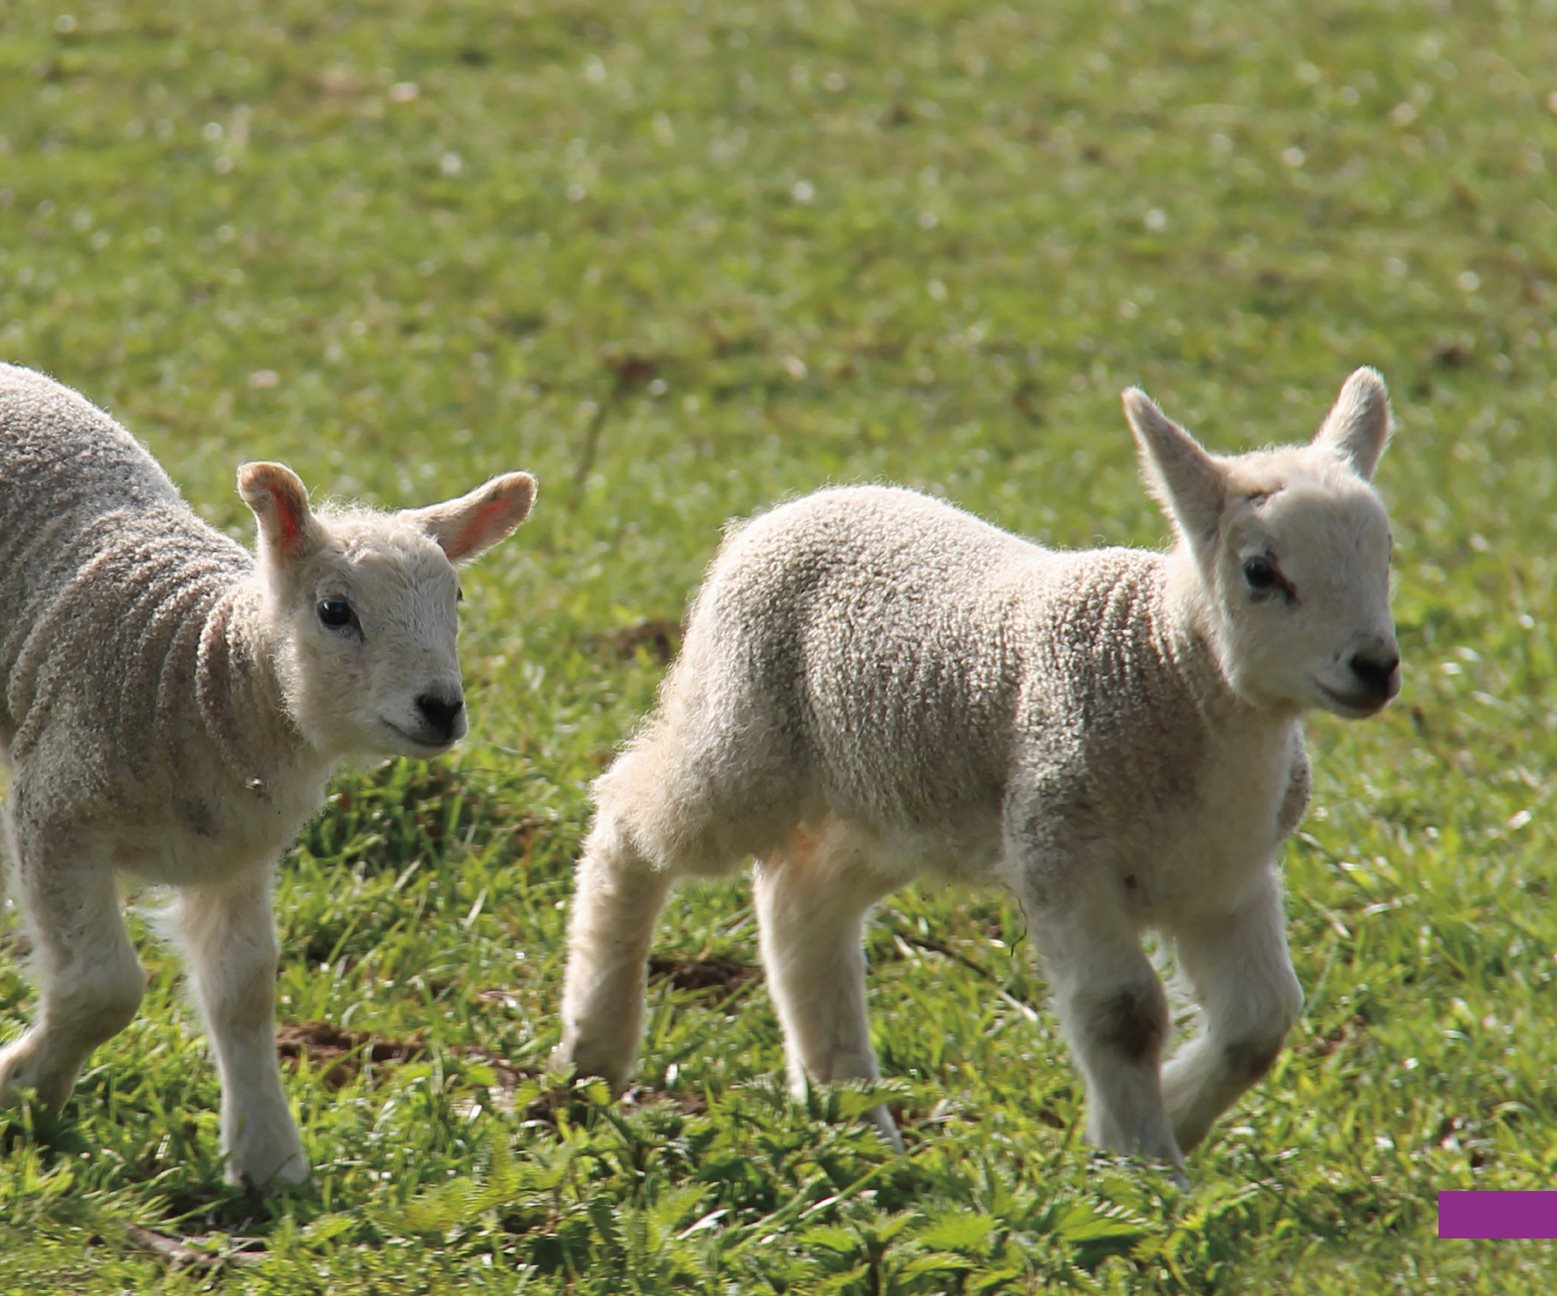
(1497, 1214)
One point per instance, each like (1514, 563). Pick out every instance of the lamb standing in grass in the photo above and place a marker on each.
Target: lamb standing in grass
(173, 707)
(875, 685)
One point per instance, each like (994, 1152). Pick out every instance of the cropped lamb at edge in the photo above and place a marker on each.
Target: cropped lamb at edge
(875, 684)
(170, 706)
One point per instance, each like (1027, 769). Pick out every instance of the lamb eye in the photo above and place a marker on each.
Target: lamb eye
(459, 594)
(336, 613)
(1260, 573)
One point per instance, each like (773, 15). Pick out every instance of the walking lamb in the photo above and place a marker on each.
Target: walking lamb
(875, 685)
(173, 706)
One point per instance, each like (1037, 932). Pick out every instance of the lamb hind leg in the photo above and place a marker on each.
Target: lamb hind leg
(617, 897)
(811, 907)
(676, 804)
(229, 943)
(1242, 975)
(89, 980)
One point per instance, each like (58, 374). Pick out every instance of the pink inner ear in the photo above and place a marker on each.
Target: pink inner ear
(286, 518)
(481, 521)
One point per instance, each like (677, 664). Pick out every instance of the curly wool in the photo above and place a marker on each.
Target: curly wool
(132, 631)
(881, 657)
(147, 675)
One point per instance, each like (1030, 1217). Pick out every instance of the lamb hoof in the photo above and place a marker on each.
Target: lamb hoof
(19, 1071)
(881, 1120)
(261, 1173)
(571, 1059)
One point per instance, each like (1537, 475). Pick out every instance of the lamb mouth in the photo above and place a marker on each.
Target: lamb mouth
(1349, 705)
(423, 744)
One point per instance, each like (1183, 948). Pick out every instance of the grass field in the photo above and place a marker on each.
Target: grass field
(680, 259)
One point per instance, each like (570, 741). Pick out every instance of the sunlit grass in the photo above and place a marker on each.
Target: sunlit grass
(681, 260)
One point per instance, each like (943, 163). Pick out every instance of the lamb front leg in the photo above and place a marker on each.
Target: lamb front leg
(89, 980)
(229, 941)
(1242, 975)
(1115, 1014)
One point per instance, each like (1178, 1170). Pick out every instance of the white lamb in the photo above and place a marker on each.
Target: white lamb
(874, 685)
(173, 707)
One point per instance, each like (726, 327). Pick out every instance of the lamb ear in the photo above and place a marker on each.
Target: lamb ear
(1357, 428)
(473, 523)
(280, 503)
(1187, 481)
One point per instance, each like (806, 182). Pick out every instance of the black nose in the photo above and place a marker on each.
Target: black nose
(1379, 675)
(440, 714)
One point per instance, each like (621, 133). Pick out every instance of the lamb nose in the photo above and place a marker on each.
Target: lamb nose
(438, 713)
(1380, 677)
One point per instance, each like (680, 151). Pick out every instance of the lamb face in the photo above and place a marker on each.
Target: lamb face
(1292, 550)
(1302, 583)
(363, 607)
(369, 633)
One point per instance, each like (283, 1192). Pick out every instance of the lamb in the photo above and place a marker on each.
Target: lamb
(173, 706)
(874, 685)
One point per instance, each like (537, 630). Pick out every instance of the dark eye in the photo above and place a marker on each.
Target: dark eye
(1260, 573)
(459, 594)
(336, 613)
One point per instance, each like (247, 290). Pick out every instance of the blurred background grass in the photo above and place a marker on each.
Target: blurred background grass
(682, 259)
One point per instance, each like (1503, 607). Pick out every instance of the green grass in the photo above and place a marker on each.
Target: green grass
(681, 260)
